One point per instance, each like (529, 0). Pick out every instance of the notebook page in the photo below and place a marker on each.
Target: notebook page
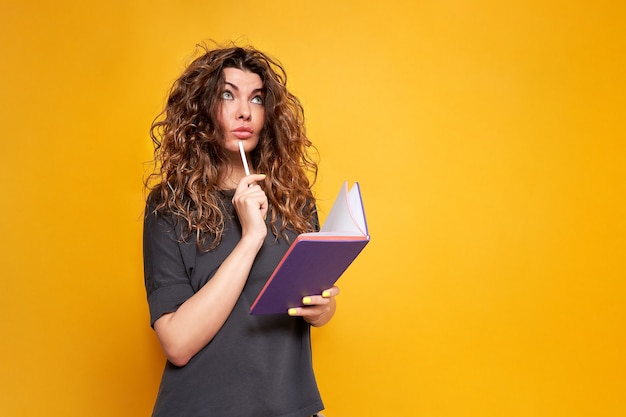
(340, 218)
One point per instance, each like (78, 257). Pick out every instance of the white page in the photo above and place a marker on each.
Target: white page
(346, 215)
(356, 208)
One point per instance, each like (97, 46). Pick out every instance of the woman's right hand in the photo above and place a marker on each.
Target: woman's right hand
(251, 204)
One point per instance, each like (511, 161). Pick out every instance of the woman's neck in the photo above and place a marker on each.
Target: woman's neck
(234, 173)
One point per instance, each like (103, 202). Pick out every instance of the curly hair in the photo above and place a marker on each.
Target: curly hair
(190, 165)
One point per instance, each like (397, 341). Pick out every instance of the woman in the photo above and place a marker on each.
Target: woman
(213, 235)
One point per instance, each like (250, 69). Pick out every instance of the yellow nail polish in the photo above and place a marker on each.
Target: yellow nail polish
(306, 300)
(326, 294)
(292, 311)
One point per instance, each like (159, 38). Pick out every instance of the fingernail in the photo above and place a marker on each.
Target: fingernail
(292, 311)
(306, 300)
(326, 294)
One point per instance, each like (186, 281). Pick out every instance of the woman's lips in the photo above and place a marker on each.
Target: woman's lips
(242, 132)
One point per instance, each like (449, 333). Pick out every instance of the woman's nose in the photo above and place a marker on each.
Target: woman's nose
(244, 111)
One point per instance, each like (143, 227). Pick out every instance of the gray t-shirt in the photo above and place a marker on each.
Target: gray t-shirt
(256, 366)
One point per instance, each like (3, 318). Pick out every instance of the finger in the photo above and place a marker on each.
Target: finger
(250, 180)
(331, 292)
(315, 300)
(248, 190)
(310, 311)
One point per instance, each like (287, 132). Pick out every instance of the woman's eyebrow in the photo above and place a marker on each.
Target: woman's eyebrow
(234, 87)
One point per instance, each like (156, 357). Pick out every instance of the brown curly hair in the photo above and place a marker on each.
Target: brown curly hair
(190, 165)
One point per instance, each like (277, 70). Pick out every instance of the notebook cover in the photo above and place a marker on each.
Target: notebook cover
(309, 267)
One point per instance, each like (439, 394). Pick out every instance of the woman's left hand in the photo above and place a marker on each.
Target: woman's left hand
(318, 309)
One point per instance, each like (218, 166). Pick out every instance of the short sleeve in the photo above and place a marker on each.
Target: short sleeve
(165, 274)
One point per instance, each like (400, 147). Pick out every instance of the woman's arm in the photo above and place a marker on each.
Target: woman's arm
(186, 331)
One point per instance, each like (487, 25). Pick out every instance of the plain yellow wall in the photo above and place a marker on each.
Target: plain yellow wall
(489, 141)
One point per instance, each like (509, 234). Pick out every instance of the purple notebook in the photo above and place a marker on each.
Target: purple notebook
(315, 261)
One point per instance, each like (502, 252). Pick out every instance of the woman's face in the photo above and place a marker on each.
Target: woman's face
(242, 109)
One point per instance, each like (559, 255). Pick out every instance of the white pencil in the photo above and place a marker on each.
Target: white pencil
(243, 158)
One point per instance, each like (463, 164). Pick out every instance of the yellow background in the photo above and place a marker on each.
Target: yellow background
(489, 141)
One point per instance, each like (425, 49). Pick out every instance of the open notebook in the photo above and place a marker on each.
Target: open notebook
(315, 261)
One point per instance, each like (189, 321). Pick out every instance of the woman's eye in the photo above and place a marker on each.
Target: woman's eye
(257, 100)
(227, 95)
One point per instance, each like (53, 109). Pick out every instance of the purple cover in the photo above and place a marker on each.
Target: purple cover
(309, 267)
